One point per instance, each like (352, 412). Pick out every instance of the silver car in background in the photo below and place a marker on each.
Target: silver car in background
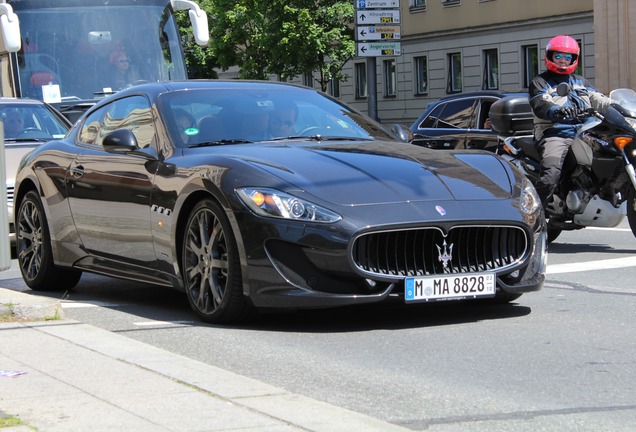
(27, 124)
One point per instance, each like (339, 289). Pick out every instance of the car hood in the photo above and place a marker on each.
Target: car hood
(384, 172)
(13, 154)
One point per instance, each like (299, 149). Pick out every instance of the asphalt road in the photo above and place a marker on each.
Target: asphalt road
(560, 359)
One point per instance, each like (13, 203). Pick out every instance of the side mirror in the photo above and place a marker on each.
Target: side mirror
(405, 134)
(9, 30)
(564, 89)
(121, 141)
(198, 19)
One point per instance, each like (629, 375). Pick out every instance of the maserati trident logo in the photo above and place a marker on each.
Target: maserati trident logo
(445, 254)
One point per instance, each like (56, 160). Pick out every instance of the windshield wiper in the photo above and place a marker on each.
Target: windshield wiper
(23, 140)
(320, 138)
(220, 142)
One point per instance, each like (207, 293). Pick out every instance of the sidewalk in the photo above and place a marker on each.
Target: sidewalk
(76, 377)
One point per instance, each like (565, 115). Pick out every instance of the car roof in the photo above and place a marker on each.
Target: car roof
(20, 101)
(480, 93)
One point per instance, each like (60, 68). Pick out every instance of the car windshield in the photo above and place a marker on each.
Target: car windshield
(30, 122)
(224, 116)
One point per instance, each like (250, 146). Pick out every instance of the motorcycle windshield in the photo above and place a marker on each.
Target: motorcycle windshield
(626, 98)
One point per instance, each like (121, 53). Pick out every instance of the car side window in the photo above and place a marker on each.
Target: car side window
(131, 113)
(457, 114)
(90, 132)
(483, 114)
(431, 120)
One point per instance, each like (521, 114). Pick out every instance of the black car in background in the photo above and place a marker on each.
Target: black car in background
(459, 121)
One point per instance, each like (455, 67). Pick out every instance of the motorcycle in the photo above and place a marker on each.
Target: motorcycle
(598, 181)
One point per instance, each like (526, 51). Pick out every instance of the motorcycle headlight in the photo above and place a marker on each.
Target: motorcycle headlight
(277, 204)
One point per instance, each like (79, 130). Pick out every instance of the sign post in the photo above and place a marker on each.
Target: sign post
(377, 30)
(5, 251)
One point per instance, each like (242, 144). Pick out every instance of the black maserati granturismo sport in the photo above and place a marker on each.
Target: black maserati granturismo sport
(251, 195)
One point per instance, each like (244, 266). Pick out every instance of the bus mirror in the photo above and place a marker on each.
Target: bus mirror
(198, 19)
(10, 29)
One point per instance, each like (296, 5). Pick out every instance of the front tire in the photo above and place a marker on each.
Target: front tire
(33, 245)
(631, 209)
(211, 267)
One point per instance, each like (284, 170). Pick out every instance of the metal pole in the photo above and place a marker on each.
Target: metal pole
(372, 88)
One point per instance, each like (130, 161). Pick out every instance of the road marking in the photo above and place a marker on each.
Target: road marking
(591, 265)
(79, 305)
(161, 323)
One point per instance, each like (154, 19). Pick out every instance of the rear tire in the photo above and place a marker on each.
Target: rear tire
(553, 233)
(33, 246)
(631, 209)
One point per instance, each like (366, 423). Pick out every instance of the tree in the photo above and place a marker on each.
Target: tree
(281, 37)
(313, 35)
(200, 61)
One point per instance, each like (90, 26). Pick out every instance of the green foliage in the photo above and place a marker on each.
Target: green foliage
(275, 37)
(199, 60)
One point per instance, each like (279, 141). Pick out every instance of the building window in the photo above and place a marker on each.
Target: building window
(491, 70)
(361, 80)
(421, 75)
(579, 67)
(390, 78)
(308, 80)
(420, 4)
(450, 2)
(530, 64)
(334, 87)
(454, 84)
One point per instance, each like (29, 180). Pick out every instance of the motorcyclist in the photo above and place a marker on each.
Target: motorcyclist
(554, 115)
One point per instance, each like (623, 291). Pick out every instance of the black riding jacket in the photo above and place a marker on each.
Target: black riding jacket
(544, 101)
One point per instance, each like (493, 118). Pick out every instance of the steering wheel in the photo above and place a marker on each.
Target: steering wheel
(29, 129)
(310, 129)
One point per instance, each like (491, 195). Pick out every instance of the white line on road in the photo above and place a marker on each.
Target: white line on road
(591, 265)
(79, 305)
(161, 323)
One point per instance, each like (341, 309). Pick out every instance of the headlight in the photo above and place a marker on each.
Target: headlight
(274, 203)
(529, 201)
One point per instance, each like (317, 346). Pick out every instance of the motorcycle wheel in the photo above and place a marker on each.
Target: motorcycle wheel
(553, 232)
(631, 209)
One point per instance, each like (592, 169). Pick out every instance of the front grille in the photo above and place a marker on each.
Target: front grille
(419, 252)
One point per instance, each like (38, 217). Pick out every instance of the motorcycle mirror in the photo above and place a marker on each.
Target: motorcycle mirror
(564, 89)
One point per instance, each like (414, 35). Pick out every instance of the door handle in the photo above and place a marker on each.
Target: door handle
(77, 171)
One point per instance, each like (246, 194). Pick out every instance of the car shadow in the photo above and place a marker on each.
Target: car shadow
(385, 317)
(568, 248)
(162, 304)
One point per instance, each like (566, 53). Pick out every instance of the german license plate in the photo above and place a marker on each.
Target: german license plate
(450, 287)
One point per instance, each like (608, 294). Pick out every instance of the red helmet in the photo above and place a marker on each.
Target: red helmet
(563, 44)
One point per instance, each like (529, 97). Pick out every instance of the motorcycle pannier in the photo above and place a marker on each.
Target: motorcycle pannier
(511, 115)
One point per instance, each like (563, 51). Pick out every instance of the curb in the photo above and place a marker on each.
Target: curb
(20, 306)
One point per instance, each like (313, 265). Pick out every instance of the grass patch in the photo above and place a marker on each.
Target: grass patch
(9, 420)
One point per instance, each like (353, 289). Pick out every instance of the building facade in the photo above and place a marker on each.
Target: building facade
(615, 53)
(450, 46)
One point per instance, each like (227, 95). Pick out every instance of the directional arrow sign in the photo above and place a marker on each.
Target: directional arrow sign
(378, 32)
(378, 16)
(366, 4)
(379, 49)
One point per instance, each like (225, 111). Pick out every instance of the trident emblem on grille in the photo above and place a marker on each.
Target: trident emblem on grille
(445, 254)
